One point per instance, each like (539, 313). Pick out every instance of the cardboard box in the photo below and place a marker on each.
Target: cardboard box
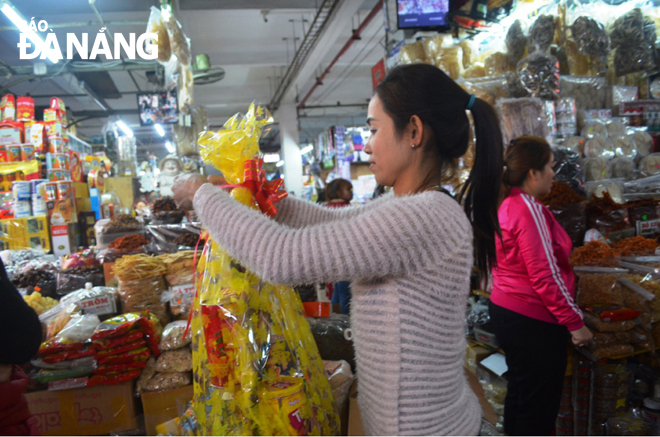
(473, 355)
(64, 239)
(162, 406)
(355, 426)
(86, 411)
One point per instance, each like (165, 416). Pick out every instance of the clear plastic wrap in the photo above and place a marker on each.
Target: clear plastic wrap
(598, 286)
(568, 168)
(489, 89)
(516, 42)
(630, 424)
(590, 36)
(474, 71)
(643, 143)
(157, 25)
(650, 165)
(539, 74)
(185, 84)
(575, 144)
(341, 378)
(148, 373)
(624, 147)
(255, 361)
(526, 116)
(616, 128)
(413, 53)
(433, 44)
(173, 336)
(595, 129)
(631, 29)
(450, 60)
(179, 360)
(633, 59)
(573, 219)
(611, 186)
(179, 44)
(470, 49)
(497, 64)
(588, 92)
(596, 169)
(542, 33)
(566, 114)
(180, 267)
(168, 381)
(141, 284)
(599, 147)
(623, 168)
(168, 233)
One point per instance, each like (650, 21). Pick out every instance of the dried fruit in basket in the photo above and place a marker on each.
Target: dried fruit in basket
(594, 253)
(636, 246)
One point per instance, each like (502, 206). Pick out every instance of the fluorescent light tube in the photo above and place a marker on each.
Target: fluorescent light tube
(124, 127)
(159, 129)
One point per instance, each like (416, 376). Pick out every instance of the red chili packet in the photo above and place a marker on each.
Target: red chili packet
(56, 345)
(130, 357)
(112, 342)
(121, 349)
(119, 368)
(111, 379)
(116, 326)
(69, 355)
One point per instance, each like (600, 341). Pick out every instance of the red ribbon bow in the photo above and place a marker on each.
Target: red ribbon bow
(266, 192)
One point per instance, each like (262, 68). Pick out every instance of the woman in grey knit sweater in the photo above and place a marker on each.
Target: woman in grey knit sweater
(408, 254)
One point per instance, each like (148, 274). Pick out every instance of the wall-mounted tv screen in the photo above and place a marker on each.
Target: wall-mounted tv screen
(158, 107)
(415, 14)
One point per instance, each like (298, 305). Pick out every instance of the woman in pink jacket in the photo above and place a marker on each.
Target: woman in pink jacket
(532, 303)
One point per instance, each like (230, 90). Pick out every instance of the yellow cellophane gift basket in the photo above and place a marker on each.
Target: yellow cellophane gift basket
(257, 369)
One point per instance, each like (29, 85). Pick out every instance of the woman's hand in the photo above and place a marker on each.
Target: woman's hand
(185, 187)
(582, 336)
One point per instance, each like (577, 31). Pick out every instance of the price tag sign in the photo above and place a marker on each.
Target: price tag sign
(104, 304)
(182, 293)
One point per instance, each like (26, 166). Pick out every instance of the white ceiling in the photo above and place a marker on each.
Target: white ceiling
(235, 37)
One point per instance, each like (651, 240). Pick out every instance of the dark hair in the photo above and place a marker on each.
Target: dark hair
(440, 103)
(335, 186)
(522, 155)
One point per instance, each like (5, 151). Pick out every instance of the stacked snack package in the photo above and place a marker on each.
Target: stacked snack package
(67, 360)
(257, 368)
(122, 345)
(141, 284)
(180, 277)
(173, 367)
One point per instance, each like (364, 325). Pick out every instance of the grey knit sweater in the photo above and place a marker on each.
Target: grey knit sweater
(409, 260)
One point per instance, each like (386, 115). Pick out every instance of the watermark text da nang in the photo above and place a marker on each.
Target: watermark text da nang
(143, 45)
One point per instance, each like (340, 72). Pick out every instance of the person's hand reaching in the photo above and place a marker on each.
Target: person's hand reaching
(185, 187)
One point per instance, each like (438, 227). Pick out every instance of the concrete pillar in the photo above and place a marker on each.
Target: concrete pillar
(288, 118)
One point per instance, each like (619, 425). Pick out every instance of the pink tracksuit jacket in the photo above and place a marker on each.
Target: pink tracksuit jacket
(533, 276)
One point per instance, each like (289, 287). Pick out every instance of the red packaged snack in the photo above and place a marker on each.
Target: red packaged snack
(121, 349)
(8, 107)
(129, 357)
(56, 345)
(113, 342)
(119, 368)
(116, 326)
(52, 115)
(152, 330)
(69, 355)
(613, 314)
(57, 103)
(25, 109)
(113, 378)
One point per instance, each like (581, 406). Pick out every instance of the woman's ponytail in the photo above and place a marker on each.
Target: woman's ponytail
(480, 194)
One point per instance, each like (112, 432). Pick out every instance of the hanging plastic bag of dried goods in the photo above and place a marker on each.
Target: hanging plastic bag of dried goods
(156, 25)
(257, 368)
(539, 74)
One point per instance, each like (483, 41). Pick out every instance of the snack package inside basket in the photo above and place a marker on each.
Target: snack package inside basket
(257, 370)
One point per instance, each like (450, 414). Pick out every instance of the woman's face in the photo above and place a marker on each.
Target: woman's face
(545, 178)
(389, 155)
(346, 193)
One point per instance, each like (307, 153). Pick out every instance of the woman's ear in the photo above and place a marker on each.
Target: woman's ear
(416, 130)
